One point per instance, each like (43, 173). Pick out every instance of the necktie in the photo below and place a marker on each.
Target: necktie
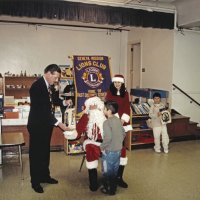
(50, 97)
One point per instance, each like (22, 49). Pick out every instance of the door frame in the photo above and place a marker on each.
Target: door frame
(129, 63)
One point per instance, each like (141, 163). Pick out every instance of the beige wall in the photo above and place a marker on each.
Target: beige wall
(32, 48)
(157, 56)
(186, 73)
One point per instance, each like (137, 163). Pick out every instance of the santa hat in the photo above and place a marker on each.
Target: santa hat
(118, 78)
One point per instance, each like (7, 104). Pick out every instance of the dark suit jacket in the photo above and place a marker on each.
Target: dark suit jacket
(40, 111)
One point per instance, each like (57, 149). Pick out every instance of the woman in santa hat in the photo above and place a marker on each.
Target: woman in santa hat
(118, 93)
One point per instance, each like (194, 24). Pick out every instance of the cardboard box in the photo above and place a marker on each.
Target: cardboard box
(11, 115)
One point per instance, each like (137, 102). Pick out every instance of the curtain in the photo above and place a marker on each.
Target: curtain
(86, 13)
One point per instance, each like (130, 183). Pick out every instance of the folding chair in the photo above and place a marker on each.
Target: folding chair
(83, 160)
(12, 139)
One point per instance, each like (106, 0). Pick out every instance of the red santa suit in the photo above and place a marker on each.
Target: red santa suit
(123, 109)
(94, 136)
(91, 123)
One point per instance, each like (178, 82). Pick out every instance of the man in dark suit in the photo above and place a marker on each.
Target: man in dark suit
(40, 126)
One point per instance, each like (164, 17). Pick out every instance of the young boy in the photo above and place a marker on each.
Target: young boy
(113, 136)
(158, 127)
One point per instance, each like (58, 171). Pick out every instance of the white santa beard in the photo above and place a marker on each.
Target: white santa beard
(95, 117)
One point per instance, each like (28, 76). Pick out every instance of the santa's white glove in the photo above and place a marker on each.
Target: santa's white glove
(70, 135)
(103, 152)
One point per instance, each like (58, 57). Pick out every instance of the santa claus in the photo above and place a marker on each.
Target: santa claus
(91, 123)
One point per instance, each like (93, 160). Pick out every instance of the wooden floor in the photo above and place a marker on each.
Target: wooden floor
(151, 176)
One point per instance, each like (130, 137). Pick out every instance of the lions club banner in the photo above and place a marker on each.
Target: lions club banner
(91, 74)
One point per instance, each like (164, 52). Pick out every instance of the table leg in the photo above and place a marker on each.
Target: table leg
(21, 162)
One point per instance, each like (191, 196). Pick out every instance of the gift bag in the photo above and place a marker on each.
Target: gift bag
(165, 117)
(70, 119)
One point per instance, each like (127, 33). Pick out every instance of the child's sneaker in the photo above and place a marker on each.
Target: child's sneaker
(157, 151)
(166, 150)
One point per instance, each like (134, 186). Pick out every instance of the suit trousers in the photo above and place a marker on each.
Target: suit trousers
(39, 152)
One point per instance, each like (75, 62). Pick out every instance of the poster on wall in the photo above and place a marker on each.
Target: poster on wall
(66, 84)
(66, 71)
(91, 74)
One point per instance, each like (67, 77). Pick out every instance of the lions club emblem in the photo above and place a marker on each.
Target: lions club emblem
(92, 77)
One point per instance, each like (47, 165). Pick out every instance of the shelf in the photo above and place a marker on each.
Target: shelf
(1, 85)
(141, 143)
(17, 77)
(74, 152)
(18, 86)
(67, 78)
(140, 129)
(140, 116)
(77, 149)
(139, 136)
(148, 92)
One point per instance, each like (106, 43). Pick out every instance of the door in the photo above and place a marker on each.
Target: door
(135, 66)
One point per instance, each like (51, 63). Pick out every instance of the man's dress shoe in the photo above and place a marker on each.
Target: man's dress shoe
(49, 180)
(38, 188)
